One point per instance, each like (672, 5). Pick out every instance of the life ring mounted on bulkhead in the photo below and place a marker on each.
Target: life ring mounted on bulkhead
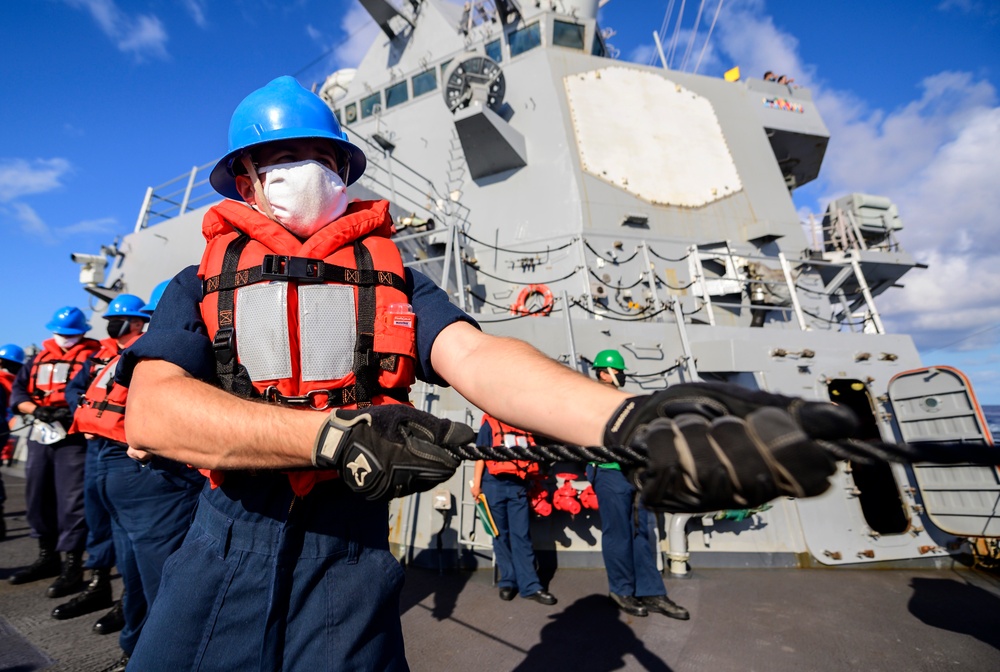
(520, 306)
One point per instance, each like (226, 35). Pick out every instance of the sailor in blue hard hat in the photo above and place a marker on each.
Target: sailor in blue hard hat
(125, 322)
(55, 466)
(281, 366)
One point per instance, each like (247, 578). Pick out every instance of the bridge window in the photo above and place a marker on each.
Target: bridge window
(424, 82)
(368, 104)
(396, 94)
(494, 50)
(351, 113)
(523, 39)
(566, 34)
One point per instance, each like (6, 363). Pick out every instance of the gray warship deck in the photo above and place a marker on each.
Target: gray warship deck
(742, 619)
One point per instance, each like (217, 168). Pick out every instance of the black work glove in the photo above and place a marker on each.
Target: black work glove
(713, 446)
(389, 451)
(54, 414)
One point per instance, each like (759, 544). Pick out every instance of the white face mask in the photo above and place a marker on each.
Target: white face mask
(66, 342)
(305, 196)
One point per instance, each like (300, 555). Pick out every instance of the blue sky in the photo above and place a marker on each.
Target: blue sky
(103, 98)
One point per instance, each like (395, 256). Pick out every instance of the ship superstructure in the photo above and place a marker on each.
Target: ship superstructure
(581, 203)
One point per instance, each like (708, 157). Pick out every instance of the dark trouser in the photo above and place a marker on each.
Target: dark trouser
(267, 582)
(628, 550)
(53, 492)
(100, 545)
(151, 509)
(508, 501)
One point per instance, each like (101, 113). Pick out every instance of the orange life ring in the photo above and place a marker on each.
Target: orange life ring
(520, 308)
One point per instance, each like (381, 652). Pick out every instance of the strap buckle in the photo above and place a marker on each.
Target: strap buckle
(224, 345)
(272, 395)
(300, 269)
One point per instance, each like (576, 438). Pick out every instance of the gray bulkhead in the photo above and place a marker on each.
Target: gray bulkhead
(674, 279)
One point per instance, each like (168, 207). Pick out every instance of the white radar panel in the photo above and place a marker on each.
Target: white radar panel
(651, 137)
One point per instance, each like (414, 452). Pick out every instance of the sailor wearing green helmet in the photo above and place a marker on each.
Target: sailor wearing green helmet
(635, 584)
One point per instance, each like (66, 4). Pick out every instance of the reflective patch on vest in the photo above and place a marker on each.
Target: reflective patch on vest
(327, 331)
(43, 375)
(60, 373)
(105, 375)
(262, 330)
(515, 440)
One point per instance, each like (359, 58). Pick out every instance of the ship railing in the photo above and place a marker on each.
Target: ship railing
(405, 186)
(795, 287)
(176, 197)
(386, 175)
(844, 234)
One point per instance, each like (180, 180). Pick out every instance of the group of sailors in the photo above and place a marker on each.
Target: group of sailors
(90, 506)
(280, 558)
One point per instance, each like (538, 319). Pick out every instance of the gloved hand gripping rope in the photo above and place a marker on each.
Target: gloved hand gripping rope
(692, 448)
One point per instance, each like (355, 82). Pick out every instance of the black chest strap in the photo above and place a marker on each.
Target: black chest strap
(233, 376)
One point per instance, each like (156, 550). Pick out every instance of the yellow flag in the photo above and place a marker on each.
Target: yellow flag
(732, 75)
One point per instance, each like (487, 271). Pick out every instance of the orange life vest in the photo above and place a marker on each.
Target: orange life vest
(506, 435)
(7, 383)
(52, 369)
(324, 323)
(101, 410)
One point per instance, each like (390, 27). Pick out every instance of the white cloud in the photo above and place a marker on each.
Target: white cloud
(29, 222)
(196, 8)
(937, 157)
(19, 177)
(105, 225)
(360, 31)
(315, 35)
(142, 35)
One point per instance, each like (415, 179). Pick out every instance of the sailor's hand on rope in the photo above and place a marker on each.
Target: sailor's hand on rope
(713, 446)
(390, 451)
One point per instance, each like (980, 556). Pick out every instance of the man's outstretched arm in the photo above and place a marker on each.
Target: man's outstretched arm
(174, 415)
(513, 381)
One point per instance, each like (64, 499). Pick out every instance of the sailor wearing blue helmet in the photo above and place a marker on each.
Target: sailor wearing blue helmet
(302, 305)
(54, 470)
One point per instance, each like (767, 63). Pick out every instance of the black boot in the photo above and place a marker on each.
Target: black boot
(119, 665)
(46, 566)
(113, 621)
(97, 595)
(71, 579)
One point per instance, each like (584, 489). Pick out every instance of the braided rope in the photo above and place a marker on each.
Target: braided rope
(550, 453)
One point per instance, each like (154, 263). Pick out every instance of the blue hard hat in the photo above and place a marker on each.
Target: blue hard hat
(12, 353)
(154, 298)
(68, 321)
(126, 305)
(281, 110)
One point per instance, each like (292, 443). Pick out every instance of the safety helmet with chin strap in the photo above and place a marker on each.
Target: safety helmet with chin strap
(12, 353)
(126, 305)
(282, 110)
(68, 321)
(609, 359)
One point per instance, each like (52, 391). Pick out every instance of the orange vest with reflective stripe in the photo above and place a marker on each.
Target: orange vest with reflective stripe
(52, 368)
(506, 435)
(101, 410)
(322, 323)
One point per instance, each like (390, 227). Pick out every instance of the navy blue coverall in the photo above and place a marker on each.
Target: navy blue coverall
(266, 580)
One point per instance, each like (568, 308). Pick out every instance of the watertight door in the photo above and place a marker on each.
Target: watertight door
(937, 404)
